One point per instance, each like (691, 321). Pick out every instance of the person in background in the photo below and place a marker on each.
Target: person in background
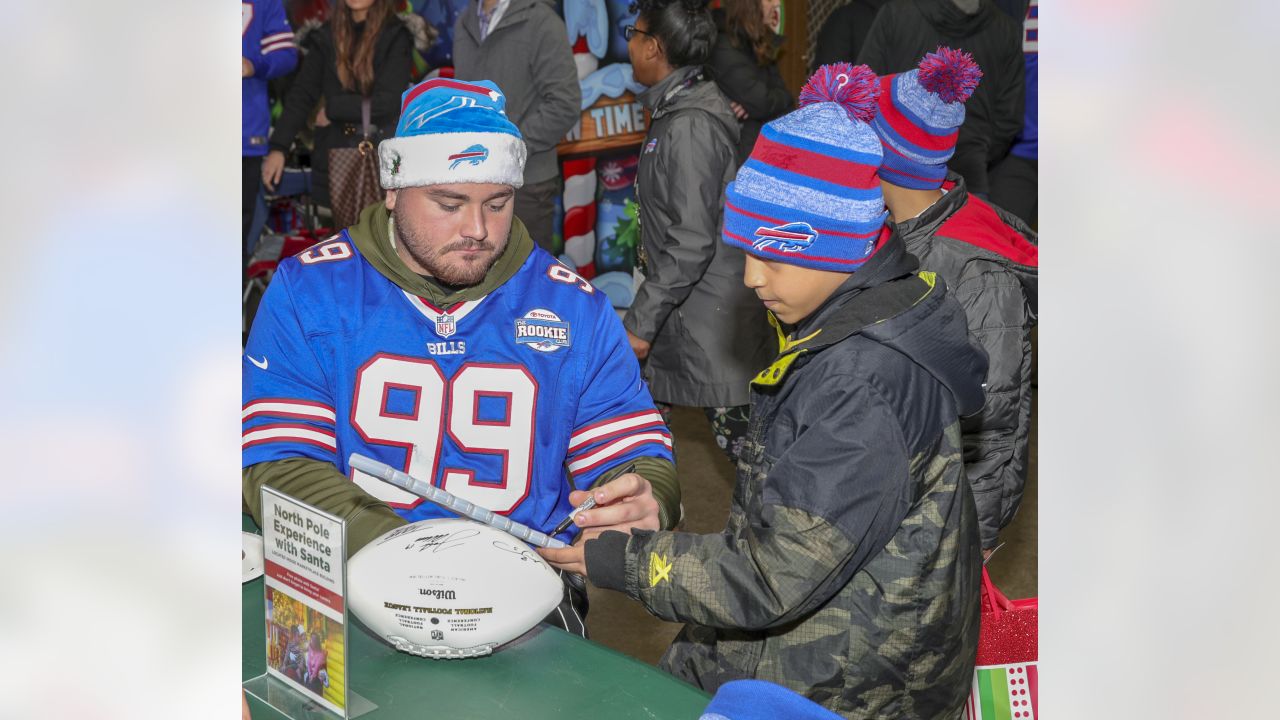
(1015, 181)
(905, 30)
(522, 45)
(988, 257)
(699, 330)
(267, 52)
(744, 64)
(363, 51)
(844, 32)
(849, 569)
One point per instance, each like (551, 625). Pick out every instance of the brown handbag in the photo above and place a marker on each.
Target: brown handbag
(353, 176)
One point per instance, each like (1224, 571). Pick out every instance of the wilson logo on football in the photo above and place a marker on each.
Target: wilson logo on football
(792, 237)
(475, 155)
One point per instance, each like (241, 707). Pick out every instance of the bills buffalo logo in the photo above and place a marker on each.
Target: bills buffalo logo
(651, 145)
(792, 237)
(542, 330)
(475, 155)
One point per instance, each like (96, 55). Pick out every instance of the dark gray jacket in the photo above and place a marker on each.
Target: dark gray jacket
(849, 568)
(990, 261)
(529, 57)
(709, 331)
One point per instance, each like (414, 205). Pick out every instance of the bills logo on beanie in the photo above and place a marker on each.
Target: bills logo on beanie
(452, 131)
(808, 194)
(920, 116)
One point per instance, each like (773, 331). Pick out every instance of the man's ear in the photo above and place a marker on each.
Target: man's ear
(391, 200)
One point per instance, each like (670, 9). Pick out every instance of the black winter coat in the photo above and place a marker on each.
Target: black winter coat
(907, 29)
(759, 89)
(318, 78)
(845, 31)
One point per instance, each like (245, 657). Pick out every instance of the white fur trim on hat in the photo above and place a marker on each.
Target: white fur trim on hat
(442, 158)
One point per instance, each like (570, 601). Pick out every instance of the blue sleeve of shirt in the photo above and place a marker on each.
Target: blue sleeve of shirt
(615, 421)
(288, 407)
(277, 53)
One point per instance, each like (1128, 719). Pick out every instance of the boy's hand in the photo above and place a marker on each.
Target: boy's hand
(639, 347)
(625, 502)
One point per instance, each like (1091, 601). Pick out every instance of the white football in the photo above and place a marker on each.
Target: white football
(450, 588)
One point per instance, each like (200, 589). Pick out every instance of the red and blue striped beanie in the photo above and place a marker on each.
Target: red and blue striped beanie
(808, 194)
(920, 116)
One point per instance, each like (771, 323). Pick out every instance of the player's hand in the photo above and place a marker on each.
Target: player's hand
(624, 503)
(639, 347)
(738, 110)
(246, 67)
(272, 169)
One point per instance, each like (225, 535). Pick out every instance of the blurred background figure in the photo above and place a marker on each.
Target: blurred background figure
(267, 52)
(363, 51)
(843, 33)
(523, 47)
(905, 30)
(1015, 181)
(699, 330)
(744, 64)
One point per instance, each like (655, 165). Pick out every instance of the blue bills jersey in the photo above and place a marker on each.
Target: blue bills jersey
(509, 401)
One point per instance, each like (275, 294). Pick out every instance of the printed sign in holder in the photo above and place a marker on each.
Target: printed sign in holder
(304, 553)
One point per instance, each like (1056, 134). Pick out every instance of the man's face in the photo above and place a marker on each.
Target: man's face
(792, 292)
(453, 233)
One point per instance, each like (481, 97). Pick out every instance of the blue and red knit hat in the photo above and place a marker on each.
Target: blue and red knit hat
(452, 131)
(920, 116)
(808, 194)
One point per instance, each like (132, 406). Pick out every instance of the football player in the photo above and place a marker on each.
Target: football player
(435, 336)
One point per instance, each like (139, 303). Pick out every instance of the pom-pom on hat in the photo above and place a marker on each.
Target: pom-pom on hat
(920, 116)
(452, 131)
(808, 194)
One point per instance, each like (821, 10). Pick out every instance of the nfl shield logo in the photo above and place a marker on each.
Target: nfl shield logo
(445, 326)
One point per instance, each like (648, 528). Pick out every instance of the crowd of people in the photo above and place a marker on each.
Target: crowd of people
(829, 276)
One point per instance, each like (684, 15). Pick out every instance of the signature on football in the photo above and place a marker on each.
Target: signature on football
(437, 542)
(522, 552)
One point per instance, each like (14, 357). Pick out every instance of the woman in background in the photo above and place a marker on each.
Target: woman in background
(699, 330)
(744, 63)
(365, 50)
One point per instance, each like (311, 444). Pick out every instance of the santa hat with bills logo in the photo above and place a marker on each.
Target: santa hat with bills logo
(808, 194)
(452, 131)
(920, 116)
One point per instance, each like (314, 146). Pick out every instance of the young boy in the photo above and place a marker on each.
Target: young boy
(849, 568)
(987, 256)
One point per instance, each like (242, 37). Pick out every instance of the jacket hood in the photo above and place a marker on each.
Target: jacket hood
(888, 302)
(698, 92)
(951, 21)
(1002, 236)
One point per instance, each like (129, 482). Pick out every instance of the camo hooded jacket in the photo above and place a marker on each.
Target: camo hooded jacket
(850, 565)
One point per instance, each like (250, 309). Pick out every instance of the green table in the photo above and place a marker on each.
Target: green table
(547, 673)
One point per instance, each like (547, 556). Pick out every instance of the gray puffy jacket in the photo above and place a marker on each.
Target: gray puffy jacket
(990, 261)
(709, 332)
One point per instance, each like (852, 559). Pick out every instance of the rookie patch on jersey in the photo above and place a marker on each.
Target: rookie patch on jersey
(542, 330)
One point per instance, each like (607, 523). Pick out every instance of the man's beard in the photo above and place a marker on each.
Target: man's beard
(459, 273)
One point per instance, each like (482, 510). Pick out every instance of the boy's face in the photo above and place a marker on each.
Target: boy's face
(792, 292)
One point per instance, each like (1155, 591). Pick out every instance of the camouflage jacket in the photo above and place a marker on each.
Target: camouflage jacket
(850, 565)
